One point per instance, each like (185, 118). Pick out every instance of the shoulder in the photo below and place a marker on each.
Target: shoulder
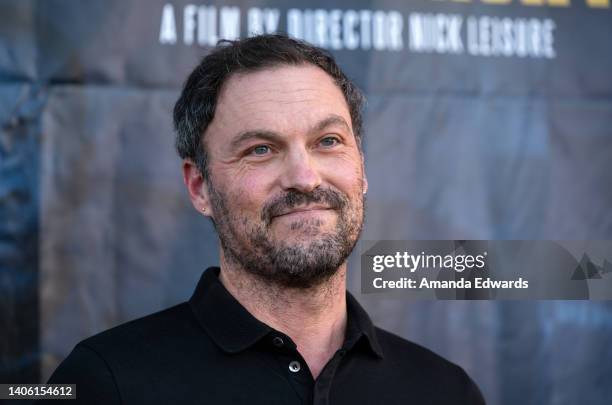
(401, 349)
(428, 369)
(103, 364)
(90, 373)
(152, 330)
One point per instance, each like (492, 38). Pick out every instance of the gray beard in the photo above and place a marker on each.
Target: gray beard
(299, 266)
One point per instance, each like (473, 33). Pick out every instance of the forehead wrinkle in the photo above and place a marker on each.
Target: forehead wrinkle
(274, 136)
(281, 96)
(246, 90)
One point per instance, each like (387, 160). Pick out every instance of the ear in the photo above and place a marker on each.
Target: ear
(196, 185)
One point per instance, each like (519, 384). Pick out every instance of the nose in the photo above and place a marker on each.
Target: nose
(300, 171)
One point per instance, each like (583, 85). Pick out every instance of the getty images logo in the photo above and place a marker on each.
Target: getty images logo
(412, 262)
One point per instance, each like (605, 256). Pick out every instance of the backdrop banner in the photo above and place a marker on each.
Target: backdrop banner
(486, 120)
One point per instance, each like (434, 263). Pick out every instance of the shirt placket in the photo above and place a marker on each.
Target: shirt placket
(294, 366)
(323, 384)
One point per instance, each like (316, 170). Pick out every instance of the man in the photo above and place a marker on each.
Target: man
(269, 130)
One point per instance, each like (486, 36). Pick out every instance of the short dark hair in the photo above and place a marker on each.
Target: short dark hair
(196, 105)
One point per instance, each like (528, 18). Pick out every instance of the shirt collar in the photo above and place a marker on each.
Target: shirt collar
(360, 326)
(234, 329)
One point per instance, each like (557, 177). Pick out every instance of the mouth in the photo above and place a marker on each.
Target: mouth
(303, 211)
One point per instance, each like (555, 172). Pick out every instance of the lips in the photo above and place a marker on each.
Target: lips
(298, 203)
(302, 209)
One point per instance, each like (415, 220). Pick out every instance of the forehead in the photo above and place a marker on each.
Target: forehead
(284, 99)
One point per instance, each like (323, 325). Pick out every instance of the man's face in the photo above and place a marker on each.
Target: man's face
(287, 184)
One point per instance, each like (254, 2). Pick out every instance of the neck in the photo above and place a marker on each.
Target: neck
(314, 318)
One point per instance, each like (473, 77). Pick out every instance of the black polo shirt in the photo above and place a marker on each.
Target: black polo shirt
(211, 350)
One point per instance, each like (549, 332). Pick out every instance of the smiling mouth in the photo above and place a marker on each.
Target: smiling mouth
(305, 211)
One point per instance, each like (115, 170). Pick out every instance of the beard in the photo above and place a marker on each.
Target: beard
(308, 262)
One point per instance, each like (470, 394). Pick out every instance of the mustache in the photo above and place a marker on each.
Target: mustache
(292, 198)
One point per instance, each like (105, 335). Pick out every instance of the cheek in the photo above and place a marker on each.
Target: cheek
(248, 194)
(346, 175)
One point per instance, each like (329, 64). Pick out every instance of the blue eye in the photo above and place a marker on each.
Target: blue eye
(260, 150)
(329, 141)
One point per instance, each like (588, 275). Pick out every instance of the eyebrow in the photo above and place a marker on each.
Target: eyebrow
(275, 137)
(256, 134)
(331, 120)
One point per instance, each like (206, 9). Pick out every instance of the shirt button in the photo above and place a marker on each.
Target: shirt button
(295, 366)
(278, 341)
